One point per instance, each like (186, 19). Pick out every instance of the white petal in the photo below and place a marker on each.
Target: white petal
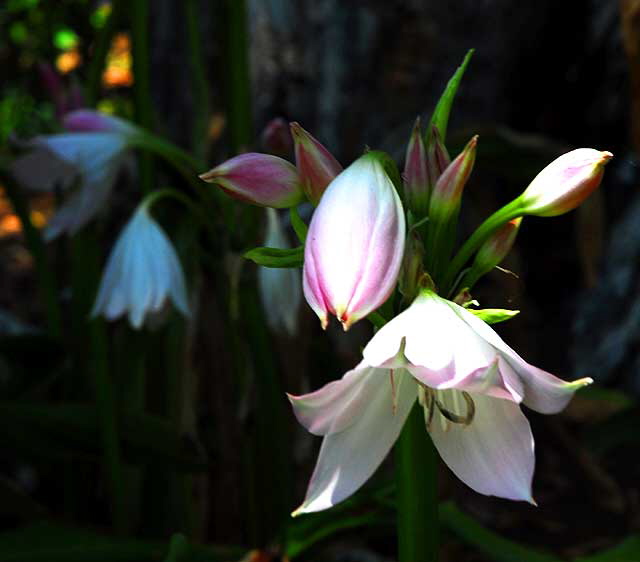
(348, 458)
(441, 349)
(494, 455)
(337, 404)
(542, 391)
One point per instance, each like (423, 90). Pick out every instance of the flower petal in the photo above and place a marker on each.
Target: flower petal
(334, 407)
(494, 455)
(543, 392)
(348, 458)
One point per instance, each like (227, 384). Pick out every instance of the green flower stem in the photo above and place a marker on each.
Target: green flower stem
(238, 92)
(90, 335)
(46, 281)
(480, 236)
(141, 87)
(100, 50)
(197, 211)
(417, 491)
(199, 83)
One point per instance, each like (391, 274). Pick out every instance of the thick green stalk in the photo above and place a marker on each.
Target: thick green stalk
(417, 491)
(199, 84)
(480, 236)
(141, 86)
(99, 54)
(47, 286)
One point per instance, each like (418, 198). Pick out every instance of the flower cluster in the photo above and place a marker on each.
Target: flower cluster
(361, 244)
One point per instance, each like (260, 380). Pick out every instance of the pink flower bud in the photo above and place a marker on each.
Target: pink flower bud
(260, 179)
(565, 183)
(355, 244)
(316, 164)
(494, 250)
(276, 138)
(438, 158)
(416, 178)
(447, 192)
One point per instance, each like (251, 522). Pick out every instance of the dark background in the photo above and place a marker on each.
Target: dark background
(546, 77)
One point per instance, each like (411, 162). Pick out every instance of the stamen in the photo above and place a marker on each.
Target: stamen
(394, 397)
(454, 417)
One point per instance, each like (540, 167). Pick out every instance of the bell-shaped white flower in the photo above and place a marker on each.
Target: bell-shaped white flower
(280, 288)
(470, 385)
(142, 272)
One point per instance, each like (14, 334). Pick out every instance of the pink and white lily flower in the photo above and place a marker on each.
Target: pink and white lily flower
(470, 384)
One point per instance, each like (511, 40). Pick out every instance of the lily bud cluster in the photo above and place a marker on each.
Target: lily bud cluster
(374, 231)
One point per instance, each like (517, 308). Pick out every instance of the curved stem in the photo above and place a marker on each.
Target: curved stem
(168, 192)
(480, 236)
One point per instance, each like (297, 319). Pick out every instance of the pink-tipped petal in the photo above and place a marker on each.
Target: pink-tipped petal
(348, 458)
(355, 243)
(565, 183)
(260, 179)
(437, 348)
(543, 392)
(317, 166)
(494, 455)
(337, 404)
(416, 177)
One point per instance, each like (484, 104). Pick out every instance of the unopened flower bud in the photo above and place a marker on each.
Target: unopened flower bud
(416, 179)
(276, 138)
(447, 192)
(261, 179)
(494, 250)
(316, 164)
(565, 183)
(438, 158)
(355, 244)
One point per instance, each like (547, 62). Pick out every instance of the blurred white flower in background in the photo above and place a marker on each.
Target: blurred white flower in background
(280, 288)
(142, 272)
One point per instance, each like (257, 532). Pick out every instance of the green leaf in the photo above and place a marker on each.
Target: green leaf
(494, 315)
(298, 224)
(627, 550)
(277, 257)
(440, 116)
(493, 545)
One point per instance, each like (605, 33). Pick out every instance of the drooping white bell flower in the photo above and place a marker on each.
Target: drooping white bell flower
(95, 148)
(470, 385)
(142, 272)
(280, 288)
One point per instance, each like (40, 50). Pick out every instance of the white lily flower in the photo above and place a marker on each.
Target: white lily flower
(280, 288)
(469, 383)
(142, 272)
(95, 149)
